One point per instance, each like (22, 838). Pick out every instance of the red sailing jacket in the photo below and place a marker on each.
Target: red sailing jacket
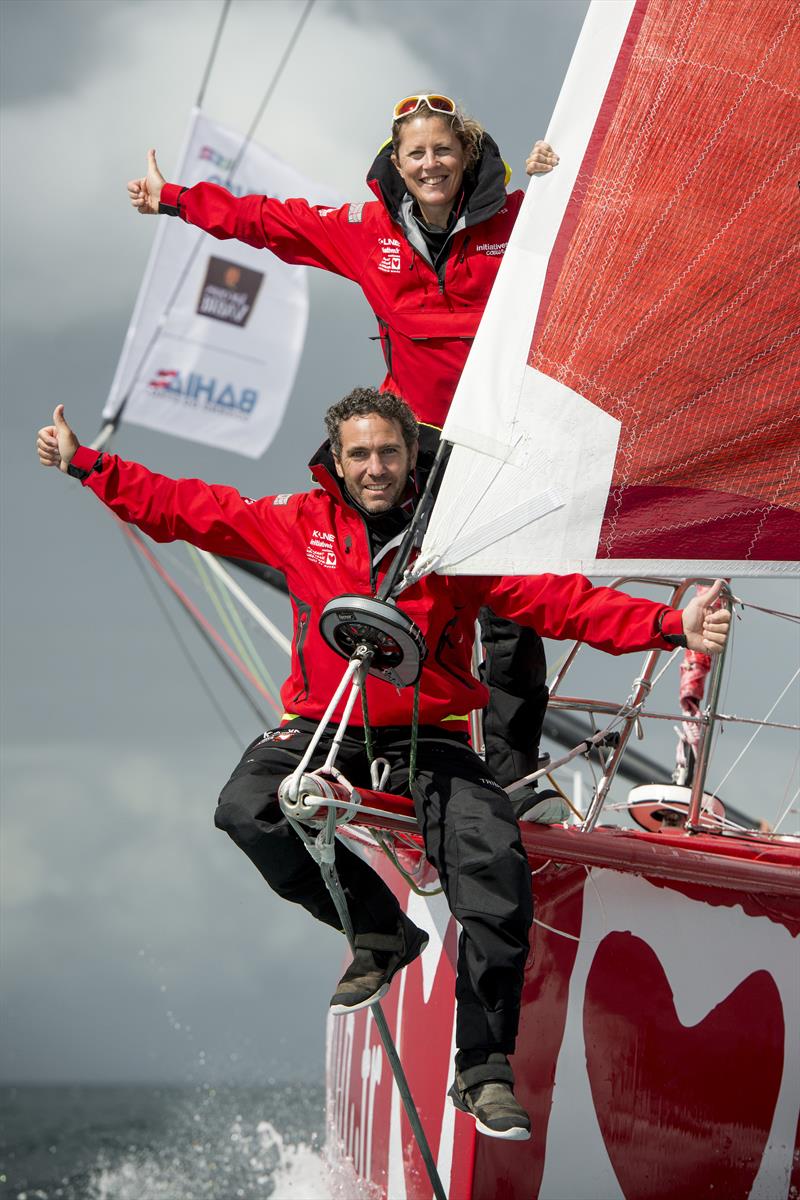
(426, 318)
(321, 545)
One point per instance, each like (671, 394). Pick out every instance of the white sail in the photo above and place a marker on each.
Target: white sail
(629, 404)
(218, 329)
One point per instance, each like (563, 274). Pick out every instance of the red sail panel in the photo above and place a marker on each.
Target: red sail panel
(672, 294)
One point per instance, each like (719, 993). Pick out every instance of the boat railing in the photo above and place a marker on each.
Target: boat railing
(632, 711)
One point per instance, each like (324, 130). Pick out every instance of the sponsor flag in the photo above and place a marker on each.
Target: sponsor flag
(218, 328)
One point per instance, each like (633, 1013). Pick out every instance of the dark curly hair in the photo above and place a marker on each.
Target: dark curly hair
(361, 402)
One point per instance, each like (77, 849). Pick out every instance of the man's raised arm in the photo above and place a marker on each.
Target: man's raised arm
(210, 516)
(570, 607)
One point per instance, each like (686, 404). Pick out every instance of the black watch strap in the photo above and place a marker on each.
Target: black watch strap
(80, 473)
(672, 639)
(171, 210)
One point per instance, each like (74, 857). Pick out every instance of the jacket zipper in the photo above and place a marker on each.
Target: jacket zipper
(303, 612)
(373, 570)
(461, 256)
(386, 344)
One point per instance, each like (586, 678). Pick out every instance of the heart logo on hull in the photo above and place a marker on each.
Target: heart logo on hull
(664, 1092)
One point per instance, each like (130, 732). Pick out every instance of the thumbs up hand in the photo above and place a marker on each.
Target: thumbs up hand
(145, 193)
(56, 443)
(706, 622)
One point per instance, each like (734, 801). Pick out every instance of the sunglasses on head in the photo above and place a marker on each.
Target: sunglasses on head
(439, 104)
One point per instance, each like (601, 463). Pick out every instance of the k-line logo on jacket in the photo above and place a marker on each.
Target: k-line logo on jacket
(320, 549)
(391, 255)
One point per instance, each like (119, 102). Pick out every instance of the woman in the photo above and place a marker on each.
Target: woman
(425, 253)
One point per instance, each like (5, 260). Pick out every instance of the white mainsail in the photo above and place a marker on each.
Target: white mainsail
(218, 328)
(629, 404)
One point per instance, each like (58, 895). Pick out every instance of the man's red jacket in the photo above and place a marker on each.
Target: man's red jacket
(321, 545)
(427, 318)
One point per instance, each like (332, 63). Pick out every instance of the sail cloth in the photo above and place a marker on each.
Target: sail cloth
(221, 368)
(631, 400)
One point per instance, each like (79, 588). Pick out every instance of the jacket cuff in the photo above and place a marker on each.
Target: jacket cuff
(170, 195)
(84, 461)
(670, 626)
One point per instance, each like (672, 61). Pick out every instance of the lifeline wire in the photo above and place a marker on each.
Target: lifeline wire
(786, 811)
(738, 759)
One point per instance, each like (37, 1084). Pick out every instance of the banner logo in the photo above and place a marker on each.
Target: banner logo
(204, 391)
(229, 292)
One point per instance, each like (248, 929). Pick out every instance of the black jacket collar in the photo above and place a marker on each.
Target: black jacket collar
(484, 185)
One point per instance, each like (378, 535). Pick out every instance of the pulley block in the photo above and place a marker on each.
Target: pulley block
(397, 644)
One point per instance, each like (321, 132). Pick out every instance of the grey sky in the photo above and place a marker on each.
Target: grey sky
(137, 942)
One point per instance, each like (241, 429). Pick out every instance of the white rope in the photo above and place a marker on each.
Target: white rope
(247, 604)
(542, 867)
(561, 932)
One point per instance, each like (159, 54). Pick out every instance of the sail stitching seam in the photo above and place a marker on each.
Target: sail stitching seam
(757, 534)
(677, 195)
(635, 159)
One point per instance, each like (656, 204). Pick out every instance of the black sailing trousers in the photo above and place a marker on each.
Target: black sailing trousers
(471, 838)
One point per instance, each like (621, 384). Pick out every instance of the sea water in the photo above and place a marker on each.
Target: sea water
(163, 1143)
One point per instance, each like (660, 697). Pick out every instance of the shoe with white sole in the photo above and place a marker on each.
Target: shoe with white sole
(486, 1092)
(377, 959)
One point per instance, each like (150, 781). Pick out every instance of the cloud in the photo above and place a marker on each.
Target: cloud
(74, 249)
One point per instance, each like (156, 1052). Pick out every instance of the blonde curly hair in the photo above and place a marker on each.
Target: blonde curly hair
(468, 131)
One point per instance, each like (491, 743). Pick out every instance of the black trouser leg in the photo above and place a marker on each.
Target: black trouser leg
(472, 839)
(515, 672)
(249, 812)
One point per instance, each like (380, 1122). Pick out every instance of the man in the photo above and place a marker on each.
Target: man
(339, 539)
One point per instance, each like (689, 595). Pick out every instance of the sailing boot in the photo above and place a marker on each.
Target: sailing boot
(485, 1092)
(377, 959)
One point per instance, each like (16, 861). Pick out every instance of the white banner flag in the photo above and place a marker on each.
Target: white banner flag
(216, 335)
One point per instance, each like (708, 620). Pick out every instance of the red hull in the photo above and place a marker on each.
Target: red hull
(659, 1049)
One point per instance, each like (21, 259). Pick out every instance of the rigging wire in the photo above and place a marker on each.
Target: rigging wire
(212, 54)
(772, 612)
(214, 639)
(718, 787)
(786, 811)
(790, 803)
(260, 667)
(175, 629)
(229, 620)
(271, 86)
